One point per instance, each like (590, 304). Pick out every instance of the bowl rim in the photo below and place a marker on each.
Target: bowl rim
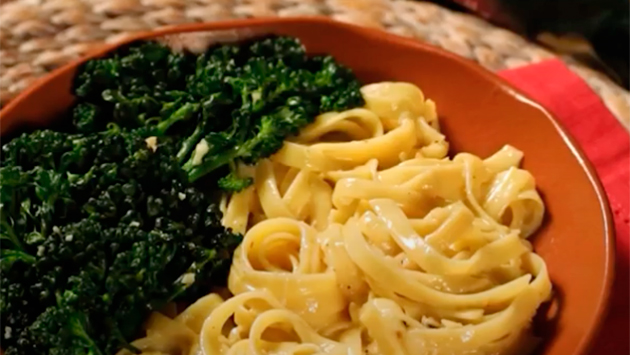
(602, 307)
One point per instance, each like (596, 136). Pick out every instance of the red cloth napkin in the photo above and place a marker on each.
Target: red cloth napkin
(607, 145)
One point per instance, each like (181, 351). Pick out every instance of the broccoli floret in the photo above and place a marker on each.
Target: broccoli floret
(97, 75)
(86, 118)
(234, 183)
(63, 328)
(40, 148)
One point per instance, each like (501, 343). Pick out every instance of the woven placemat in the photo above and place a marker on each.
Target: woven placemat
(37, 36)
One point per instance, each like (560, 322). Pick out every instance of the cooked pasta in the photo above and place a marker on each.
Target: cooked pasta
(363, 237)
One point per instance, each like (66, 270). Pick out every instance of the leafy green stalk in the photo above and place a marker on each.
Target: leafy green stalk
(11, 256)
(268, 139)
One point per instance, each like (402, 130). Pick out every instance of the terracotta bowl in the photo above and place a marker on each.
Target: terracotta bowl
(479, 112)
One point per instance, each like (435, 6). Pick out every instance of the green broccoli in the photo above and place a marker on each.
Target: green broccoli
(136, 227)
(249, 144)
(112, 216)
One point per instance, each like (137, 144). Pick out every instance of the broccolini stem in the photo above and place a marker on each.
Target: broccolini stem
(78, 329)
(7, 233)
(183, 113)
(196, 172)
(181, 285)
(190, 143)
(118, 335)
(207, 166)
(10, 256)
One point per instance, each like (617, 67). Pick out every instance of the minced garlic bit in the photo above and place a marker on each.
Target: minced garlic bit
(188, 278)
(182, 196)
(152, 143)
(201, 149)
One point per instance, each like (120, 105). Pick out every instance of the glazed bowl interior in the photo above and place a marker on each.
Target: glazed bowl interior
(479, 114)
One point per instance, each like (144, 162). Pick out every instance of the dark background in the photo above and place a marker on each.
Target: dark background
(604, 24)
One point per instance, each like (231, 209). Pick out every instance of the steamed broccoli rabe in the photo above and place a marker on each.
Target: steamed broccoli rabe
(90, 245)
(240, 101)
(117, 215)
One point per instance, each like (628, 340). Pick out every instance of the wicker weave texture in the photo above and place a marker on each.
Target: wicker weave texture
(37, 36)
